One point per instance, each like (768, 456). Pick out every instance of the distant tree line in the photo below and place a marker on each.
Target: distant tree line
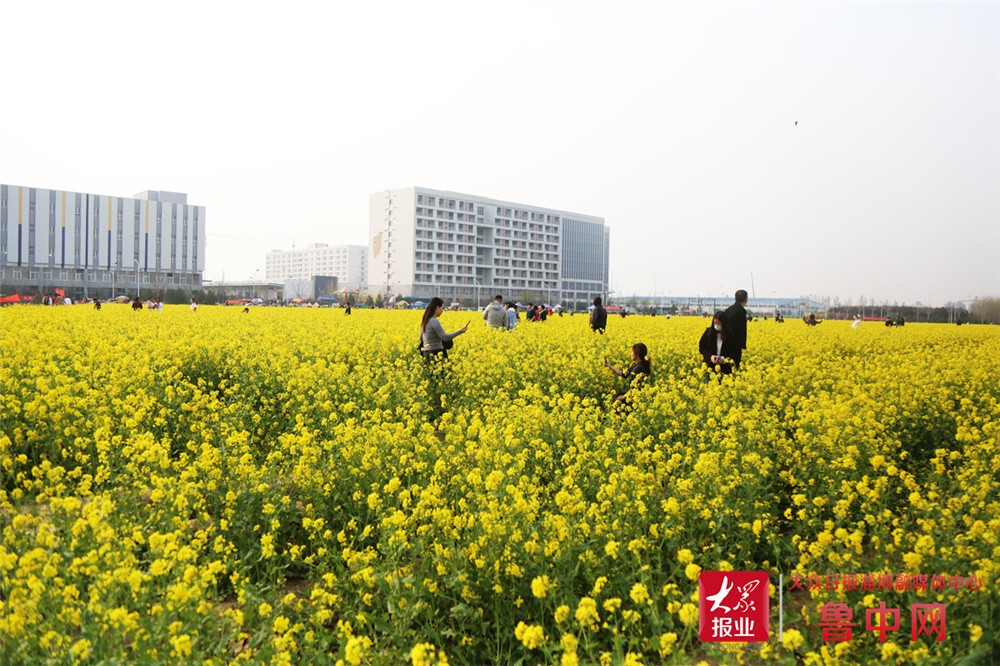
(986, 310)
(948, 314)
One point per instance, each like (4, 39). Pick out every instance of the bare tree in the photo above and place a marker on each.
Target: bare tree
(986, 309)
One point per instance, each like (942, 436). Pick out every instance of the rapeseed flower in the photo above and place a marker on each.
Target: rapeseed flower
(307, 495)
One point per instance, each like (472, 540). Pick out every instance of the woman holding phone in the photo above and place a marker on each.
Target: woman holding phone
(433, 340)
(716, 347)
(638, 373)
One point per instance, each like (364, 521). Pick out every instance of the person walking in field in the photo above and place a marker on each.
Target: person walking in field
(495, 315)
(598, 316)
(736, 327)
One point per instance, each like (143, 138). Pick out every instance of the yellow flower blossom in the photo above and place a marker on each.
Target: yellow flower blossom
(540, 586)
(792, 638)
(531, 636)
(688, 615)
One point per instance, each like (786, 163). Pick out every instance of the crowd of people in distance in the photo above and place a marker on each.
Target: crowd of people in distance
(721, 345)
(504, 315)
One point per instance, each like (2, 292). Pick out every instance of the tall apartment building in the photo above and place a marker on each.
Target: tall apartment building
(427, 243)
(349, 263)
(99, 245)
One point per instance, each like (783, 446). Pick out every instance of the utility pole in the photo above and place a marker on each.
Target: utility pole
(86, 245)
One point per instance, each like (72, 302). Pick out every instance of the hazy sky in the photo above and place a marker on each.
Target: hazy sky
(673, 121)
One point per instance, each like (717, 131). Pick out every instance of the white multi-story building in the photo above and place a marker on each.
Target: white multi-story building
(427, 243)
(97, 245)
(348, 263)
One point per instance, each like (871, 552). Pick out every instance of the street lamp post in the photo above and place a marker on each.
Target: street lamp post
(137, 278)
(478, 285)
(254, 279)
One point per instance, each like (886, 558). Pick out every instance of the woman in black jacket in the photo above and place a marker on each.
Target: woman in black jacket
(716, 347)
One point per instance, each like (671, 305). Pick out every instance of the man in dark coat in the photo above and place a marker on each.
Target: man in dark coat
(736, 321)
(598, 316)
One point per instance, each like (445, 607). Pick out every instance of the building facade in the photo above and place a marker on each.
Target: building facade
(99, 245)
(464, 247)
(349, 263)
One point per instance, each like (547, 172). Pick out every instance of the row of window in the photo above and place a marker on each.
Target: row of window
(448, 252)
(425, 219)
(445, 268)
(443, 235)
(521, 282)
(528, 235)
(510, 213)
(122, 276)
(508, 270)
(521, 248)
(582, 286)
(300, 264)
(522, 253)
(95, 261)
(423, 223)
(428, 216)
(441, 202)
(551, 249)
(98, 234)
(287, 256)
(516, 214)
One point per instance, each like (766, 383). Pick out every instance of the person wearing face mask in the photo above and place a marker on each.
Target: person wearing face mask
(717, 347)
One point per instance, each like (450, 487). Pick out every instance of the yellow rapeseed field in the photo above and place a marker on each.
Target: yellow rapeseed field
(295, 486)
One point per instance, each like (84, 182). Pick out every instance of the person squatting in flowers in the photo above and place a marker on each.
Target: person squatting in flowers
(637, 374)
